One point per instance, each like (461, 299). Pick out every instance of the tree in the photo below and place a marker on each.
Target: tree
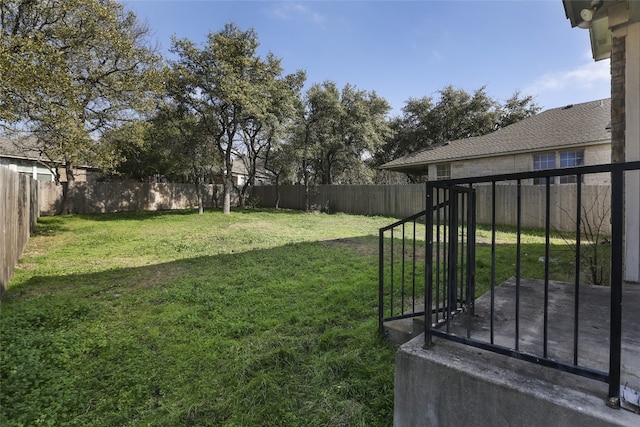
(224, 83)
(454, 115)
(259, 132)
(515, 109)
(190, 149)
(136, 155)
(336, 131)
(281, 161)
(70, 70)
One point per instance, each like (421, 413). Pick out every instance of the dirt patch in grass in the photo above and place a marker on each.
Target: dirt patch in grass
(160, 275)
(364, 246)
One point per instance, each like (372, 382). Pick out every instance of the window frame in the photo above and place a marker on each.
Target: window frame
(443, 171)
(539, 164)
(576, 160)
(565, 159)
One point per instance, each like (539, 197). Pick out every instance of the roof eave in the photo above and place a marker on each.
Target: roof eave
(424, 165)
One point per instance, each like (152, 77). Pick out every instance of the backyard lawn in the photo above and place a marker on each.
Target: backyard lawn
(253, 319)
(258, 318)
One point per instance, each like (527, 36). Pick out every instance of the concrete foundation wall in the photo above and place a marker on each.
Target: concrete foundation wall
(454, 385)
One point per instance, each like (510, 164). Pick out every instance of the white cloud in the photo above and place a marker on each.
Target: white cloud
(585, 77)
(289, 11)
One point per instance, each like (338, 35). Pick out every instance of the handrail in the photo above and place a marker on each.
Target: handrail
(444, 246)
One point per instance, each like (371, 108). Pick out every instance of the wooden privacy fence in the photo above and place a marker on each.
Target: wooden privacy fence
(125, 196)
(18, 216)
(388, 200)
(400, 201)
(396, 201)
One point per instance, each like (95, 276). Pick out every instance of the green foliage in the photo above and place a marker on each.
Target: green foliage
(336, 130)
(455, 114)
(230, 89)
(70, 70)
(164, 319)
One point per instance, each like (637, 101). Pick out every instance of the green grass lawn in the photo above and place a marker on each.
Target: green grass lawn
(252, 319)
(258, 318)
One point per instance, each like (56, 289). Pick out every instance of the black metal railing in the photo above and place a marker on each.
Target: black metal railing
(401, 292)
(427, 268)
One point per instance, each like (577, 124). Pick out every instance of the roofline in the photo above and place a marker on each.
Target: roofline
(422, 165)
(33, 159)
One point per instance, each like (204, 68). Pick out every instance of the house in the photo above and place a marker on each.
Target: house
(27, 161)
(573, 135)
(23, 156)
(240, 173)
(614, 31)
(445, 383)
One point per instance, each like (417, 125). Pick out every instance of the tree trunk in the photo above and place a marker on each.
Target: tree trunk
(277, 192)
(243, 197)
(307, 205)
(200, 195)
(227, 186)
(67, 188)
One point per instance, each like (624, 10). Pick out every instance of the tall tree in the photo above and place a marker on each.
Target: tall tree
(281, 161)
(187, 143)
(224, 82)
(515, 109)
(71, 69)
(137, 155)
(265, 126)
(454, 115)
(337, 130)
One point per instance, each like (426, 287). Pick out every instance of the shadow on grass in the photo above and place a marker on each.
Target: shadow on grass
(49, 226)
(137, 215)
(147, 215)
(266, 337)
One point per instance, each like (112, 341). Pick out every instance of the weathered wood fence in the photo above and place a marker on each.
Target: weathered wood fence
(18, 216)
(22, 201)
(105, 197)
(396, 201)
(388, 200)
(403, 200)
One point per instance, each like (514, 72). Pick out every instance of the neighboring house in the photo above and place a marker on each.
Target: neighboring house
(574, 135)
(24, 161)
(26, 158)
(240, 174)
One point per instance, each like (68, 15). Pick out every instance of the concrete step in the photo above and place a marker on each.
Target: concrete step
(403, 330)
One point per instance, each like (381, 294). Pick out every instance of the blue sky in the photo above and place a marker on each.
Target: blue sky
(406, 49)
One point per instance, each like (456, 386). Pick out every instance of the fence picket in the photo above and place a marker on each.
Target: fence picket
(18, 215)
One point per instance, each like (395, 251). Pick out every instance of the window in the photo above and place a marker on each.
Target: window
(567, 159)
(443, 171)
(542, 162)
(570, 159)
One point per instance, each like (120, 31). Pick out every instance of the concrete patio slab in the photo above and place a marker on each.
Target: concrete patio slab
(452, 384)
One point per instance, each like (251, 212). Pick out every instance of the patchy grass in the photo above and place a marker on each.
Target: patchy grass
(257, 318)
(260, 318)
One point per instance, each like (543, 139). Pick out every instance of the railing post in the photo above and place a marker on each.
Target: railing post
(381, 281)
(428, 268)
(617, 217)
(452, 279)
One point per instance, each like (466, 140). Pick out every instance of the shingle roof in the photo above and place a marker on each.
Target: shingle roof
(557, 128)
(22, 148)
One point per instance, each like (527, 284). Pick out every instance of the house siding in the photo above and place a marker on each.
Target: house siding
(523, 162)
(36, 171)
